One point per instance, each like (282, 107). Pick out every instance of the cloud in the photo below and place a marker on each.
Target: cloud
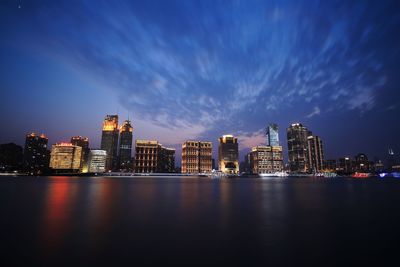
(316, 111)
(251, 139)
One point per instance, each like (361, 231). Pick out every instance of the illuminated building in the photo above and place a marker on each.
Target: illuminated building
(272, 134)
(362, 163)
(97, 161)
(228, 154)
(344, 165)
(109, 140)
(11, 157)
(83, 142)
(65, 157)
(36, 155)
(297, 147)
(266, 159)
(391, 160)
(315, 153)
(152, 157)
(330, 165)
(125, 146)
(196, 157)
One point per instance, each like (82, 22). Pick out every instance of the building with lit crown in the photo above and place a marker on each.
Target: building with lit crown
(109, 140)
(315, 153)
(297, 142)
(65, 158)
(125, 146)
(97, 161)
(83, 142)
(152, 157)
(196, 157)
(228, 154)
(36, 154)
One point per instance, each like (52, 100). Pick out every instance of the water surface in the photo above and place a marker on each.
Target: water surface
(71, 221)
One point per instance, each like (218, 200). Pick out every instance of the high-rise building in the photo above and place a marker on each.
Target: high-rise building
(125, 146)
(266, 159)
(97, 161)
(297, 147)
(83, 142)
(11, 157)
(196, 157)
(315, 153)
(362, 163)
(65, 157)
(109, 140)
(344, 165)
(167, 160)
(272, 134)
(36, 155)
(228, 154)
(152, 157)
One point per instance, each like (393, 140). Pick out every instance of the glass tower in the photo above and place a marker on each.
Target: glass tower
(272, 135)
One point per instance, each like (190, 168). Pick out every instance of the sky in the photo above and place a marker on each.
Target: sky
(184, 70)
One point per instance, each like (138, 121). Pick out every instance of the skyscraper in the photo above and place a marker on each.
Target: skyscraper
(125, 146)
(228, 154)
(109, 140)
(272, 134)
(315, 153)
(11, 157)
(196, 157)
(36, 155)
(65, 157)
(83, 142)
(297, 147)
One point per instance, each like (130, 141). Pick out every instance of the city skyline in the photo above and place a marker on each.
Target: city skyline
(189, 71)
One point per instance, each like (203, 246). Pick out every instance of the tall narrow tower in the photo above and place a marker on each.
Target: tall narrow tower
(125, 146)
(228, 154)
(297, 135)
(109, 140)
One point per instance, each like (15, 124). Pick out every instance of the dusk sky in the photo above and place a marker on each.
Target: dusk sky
(199, 69)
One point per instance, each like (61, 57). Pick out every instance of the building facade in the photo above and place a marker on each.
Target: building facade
(83, 142)
(344, 165)
(297, 135)
(125, 146)
(152, 157)
(228, 154)
(315, 154)
(109, 140)
(266, 159)
(11, 157)
(97, 161)
(65, 157)
(36, 154)
(362, 163)
(196, 157)
(330, 165)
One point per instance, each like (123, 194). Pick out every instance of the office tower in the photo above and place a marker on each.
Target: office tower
(11, 157)
(344, 165)
(266, 159)
(109, 140)
(196, 157)
(167, 160)
(362, 163)
(97, 161)
(297, 147)
(83, 142)
(65, 158)
(315, 153)
(152, 157)
(125, 146)
(330, 165)
(36, 155)
(228, 154)
(272, 135)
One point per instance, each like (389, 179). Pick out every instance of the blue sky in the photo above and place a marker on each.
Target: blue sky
(199, 69)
